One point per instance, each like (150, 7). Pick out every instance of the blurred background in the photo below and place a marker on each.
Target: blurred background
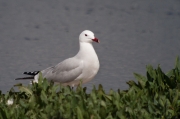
(37, 34)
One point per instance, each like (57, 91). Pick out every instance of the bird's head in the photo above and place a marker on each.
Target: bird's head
(88, 36)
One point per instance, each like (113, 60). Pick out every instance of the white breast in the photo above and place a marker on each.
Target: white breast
(90, 61)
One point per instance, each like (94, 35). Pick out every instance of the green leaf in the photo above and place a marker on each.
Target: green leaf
(79, 113)
(108, 96)
(109, 116)
(161, 102)
(43, 116)
(103, 104)
(177, 64)
(43, 96)
(25, 89)
(151, 73)
(141, 79)
(22, 103)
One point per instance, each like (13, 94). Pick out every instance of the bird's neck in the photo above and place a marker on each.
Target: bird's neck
(86, 50)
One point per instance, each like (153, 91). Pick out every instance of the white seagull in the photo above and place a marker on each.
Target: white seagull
(82, 67)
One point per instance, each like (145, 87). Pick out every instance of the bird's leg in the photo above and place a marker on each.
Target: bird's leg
(72, 86)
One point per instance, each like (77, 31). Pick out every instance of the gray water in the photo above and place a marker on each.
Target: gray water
(39, 33)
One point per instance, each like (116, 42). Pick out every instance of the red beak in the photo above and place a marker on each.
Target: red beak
(96, 40)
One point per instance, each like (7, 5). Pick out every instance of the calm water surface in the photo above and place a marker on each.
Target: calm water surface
(37, 34)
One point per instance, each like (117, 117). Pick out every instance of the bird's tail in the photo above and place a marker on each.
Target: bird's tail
(25, 78)
(28, 73)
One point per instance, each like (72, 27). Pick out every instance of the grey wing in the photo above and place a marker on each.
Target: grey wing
(66, 71)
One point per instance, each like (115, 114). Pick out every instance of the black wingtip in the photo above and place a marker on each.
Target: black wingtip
(31, 73)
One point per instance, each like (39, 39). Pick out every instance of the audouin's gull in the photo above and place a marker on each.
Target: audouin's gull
(83, 66)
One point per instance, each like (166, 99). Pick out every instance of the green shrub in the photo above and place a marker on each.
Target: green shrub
(154, 96)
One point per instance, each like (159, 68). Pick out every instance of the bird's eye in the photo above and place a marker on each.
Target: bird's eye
(85, 34)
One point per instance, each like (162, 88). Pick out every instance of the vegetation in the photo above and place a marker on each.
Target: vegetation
(154, 96)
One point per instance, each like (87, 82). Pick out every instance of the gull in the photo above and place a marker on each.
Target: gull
(82, 67)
